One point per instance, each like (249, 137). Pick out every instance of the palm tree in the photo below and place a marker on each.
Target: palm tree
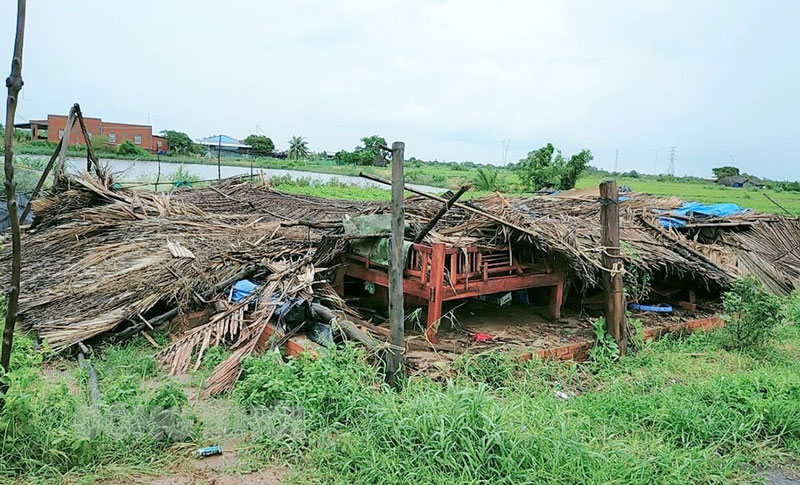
(486, 179)
(298, 148)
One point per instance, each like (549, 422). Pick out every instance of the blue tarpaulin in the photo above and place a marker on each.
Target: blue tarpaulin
(698, 210)
(242, 289)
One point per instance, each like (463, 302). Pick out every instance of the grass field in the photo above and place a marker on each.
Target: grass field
(689, 191)
(709, 192)
(454, 175)
(678, 411)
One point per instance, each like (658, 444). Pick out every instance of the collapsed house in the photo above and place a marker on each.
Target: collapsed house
(104, 262)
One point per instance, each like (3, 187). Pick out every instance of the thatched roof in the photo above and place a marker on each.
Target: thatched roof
(97, 259)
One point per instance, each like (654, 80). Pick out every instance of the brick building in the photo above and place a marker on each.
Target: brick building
(52, 129)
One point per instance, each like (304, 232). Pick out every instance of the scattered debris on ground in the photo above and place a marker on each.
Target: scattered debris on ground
(115, 263)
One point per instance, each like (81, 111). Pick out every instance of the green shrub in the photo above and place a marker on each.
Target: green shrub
(182, 176)
(792, 309)
(128, 149)
(605, 350)
(750, 314)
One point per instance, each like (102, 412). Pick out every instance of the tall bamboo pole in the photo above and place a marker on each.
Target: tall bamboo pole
(394, 359)
(14, 84)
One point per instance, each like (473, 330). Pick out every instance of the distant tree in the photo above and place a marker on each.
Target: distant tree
(369, 149)
(298, 148)
(179, 142)
(541, 169)
(261, 144)
(726, 171)
(343, 157)
(372, 143)
(363, 154)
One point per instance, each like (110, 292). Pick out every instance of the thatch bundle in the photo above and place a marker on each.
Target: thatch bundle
(98, 260)
(90, 267)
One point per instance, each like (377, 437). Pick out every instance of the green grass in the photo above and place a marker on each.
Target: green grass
(678, 411)
(708, 192)
(454, 175)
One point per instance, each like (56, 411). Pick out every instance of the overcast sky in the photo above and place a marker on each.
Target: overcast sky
(720, 80)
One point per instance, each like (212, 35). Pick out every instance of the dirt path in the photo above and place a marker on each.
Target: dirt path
(212, 477)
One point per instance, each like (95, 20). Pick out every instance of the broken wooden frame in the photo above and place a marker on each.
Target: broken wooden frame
(60, 154)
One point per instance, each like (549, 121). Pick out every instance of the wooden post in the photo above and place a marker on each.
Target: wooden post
(219, 154)
(90, 156)
(437, 288)
(14, 84)
(394, 359)
(41, 181)
(612, 276)
(58, 175)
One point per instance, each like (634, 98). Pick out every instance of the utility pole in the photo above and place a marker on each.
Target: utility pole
(394, 358)
(612, 265)
(616, 161)
(672, 157)
(219, 153)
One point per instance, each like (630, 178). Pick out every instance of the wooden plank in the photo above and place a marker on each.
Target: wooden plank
(612, 262)
(381, 278)
(436, 293)
(504, 284)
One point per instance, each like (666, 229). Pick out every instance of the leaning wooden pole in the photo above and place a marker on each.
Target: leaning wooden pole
(446, 207)
(59, 175)
(41, 182)
(14, 84)
(91, 158)
(394, 359)
(612, 264)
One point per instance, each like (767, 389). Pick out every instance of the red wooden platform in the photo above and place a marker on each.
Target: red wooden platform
(440, 273)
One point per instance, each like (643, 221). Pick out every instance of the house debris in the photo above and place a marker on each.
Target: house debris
(101, 261)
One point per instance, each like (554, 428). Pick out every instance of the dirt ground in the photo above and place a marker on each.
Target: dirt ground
(516, 327)
(212, 477)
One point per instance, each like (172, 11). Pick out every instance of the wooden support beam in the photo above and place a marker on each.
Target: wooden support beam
(446, 207)
(612, 263)
(466, 207)
(437, 291)
(41, 181)
(58, 175)
(394, 358)
(90, 156)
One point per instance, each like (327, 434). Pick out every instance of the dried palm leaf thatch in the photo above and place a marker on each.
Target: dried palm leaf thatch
(769, 249)
(569, 228)
(244, 197)
(91, 267)
(287, 280)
